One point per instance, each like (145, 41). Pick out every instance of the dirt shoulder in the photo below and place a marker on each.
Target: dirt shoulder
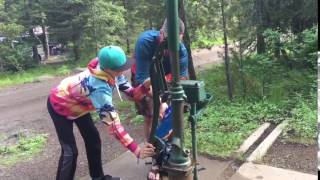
(292, 156)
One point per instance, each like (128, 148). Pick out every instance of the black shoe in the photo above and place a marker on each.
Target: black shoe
(108, 177)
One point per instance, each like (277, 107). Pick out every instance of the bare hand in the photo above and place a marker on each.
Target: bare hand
(147, 151)
(163, 108)
(147, 83)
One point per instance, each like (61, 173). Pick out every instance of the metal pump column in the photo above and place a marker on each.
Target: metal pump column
(179, 165)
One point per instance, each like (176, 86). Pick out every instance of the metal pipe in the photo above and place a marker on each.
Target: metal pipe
(176, 89)
(179, 165)
(193, 120)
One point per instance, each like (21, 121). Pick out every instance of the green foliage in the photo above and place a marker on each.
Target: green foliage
(95, 117)
(225, 125)
(151, 13)
(302, 126)
(266, 90)
(215, 79)
(15, 59)
(26, 148)
(31, 75)
(203, 23)
(10, 30)
(15, 50)
(85, 25)
(64, 70)
(124, 105)
(67, 21)
(307, 46)
(106, 25)
(222, 128)
(137, 120)
(66, 18)
(239, 22)
(125, 108)
(286, 68)
(293, 50)
(265, 111)
(262, 67)
(205, 40)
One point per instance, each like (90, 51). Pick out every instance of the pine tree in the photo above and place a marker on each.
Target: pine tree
(67, 21)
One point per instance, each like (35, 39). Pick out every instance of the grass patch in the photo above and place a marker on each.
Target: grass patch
(124, 105)
(224, 125)
(138, 120)
(9, 79)
(206, 43)
(126, 109)
(206, 39)
(25, 149)
(222, 129)
(302, 126)
(95, 117)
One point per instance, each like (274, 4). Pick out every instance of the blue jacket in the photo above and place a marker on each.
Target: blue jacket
(145, 48)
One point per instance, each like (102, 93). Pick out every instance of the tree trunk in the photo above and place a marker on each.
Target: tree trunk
(35, 55)
(226, 50)
(186, 38)
(261, 45)
(1, 66)
(278, 25)
(126, 7)
(76, 52)
(94, 26)
(150, 23)
(7, 4)
(45, 41)
(242, 77)
(297, 21)
(76, 47)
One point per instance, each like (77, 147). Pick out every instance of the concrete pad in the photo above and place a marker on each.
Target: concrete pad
(252, 138)
(212, 168)
(126, 167)
(250, 171)
(266, 143)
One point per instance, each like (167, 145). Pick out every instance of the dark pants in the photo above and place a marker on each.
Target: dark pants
(69, 152)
